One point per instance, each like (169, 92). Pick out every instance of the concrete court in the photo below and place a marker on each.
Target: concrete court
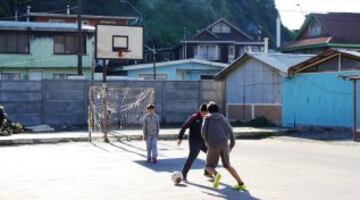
(279, 168)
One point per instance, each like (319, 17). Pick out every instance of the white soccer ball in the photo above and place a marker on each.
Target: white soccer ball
(177, 177)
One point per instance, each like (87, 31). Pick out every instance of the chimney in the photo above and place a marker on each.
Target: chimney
(28, 13)
(278, 32)
(67, 9)
(266, 45)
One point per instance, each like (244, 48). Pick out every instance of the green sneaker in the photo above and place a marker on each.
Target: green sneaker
(239, 187)
(217, 180)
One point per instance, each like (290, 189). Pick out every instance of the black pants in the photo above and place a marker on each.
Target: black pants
(195, 147)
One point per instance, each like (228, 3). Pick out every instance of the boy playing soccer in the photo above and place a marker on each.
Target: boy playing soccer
(151, 130)
(216, 131)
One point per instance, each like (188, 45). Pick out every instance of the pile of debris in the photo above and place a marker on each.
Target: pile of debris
(6, 126)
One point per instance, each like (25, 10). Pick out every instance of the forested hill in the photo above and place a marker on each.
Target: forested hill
(165, 21)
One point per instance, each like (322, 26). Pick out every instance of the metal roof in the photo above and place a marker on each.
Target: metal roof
(40, 14)
(278, 61)
(174, 62)
(43, 26)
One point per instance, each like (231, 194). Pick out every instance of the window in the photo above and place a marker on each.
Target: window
(56, 20)
(349, 63)
(151, 76)
(221, 28)
(207, 51)
(148, 57)
(314, 29)
(107, 22)
(66, 44)
(10, 76)
(14, 43)
(206, 77)
(231, 54)
(62, 76)
(331, 65)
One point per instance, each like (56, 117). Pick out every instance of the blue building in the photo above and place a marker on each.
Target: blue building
(189, 69)
(314, 95)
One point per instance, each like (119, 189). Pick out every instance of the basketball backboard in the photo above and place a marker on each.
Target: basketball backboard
(119, 42)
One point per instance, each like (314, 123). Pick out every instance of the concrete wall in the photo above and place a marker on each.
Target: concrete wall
(64, 103)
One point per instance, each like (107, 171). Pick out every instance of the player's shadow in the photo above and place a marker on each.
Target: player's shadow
(170, 164)
(225, 192)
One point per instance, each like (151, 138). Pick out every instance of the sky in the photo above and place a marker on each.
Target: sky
(292, 15)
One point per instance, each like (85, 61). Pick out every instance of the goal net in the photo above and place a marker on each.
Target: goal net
(112, 109)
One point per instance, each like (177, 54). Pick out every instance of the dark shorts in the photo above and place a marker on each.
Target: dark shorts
(216, 151)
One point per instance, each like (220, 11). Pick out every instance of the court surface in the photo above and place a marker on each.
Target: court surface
(279, 168)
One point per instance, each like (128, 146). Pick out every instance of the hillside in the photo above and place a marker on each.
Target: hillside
(166, 21)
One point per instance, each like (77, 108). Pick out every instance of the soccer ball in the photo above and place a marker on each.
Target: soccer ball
(177, 177)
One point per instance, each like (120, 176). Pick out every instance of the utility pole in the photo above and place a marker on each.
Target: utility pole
(154, 61)
(79, 38)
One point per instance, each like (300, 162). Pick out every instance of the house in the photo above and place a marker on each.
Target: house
(221, 42)
(38, 50)
(87, 19)
(315, 95)
(188, 69)
(253, 85)
(89, 15)
(320, 32)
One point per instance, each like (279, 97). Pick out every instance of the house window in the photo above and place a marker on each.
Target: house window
(151, 76)
(14, 43)
(207, 51)
(221, 28)
(56, 20)
(314, 29)
(231, 54)
(62, 76)
(331, 65)
(10, 76)
(107, 22)
(349, 64)
(206, 77)
(148, 57)
(66, 44)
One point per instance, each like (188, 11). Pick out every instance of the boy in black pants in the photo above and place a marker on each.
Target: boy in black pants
(196, 142)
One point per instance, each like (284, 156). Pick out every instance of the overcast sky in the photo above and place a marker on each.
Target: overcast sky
(292, 17)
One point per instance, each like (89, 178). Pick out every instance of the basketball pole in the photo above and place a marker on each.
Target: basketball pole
(105, 104)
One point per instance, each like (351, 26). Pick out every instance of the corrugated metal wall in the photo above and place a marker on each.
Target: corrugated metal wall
(318, 99)
(254, 82)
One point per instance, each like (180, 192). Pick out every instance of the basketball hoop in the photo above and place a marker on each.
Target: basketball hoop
(121, 53)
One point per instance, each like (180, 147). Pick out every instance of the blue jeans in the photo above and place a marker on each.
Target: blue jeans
(151, 146)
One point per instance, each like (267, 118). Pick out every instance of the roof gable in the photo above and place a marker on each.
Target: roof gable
(342, 27)
(205, 35)
(235, 33)
(279, 61)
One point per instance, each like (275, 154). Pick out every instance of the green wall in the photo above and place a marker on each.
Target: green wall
(42, 58)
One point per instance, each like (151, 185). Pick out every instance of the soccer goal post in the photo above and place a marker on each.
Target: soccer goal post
(112, 109)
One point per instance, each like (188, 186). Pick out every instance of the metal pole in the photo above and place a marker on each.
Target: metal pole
(355, 112)
(154, 62)
(79, 38)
